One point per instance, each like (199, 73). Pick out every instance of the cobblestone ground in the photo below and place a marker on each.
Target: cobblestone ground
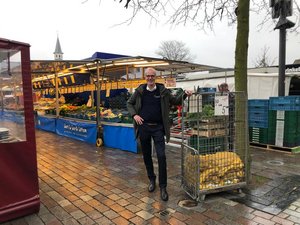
(83, 184)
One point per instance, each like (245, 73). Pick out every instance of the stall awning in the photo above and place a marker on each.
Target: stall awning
(114, 68)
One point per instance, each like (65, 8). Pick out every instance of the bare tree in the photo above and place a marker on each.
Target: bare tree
(201, 12)
(127, 3)
(204, 13)
(263, 60)
(174, 50)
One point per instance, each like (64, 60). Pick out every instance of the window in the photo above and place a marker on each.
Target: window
(12, 124)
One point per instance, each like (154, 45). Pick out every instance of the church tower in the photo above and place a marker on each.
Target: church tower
(58, 54)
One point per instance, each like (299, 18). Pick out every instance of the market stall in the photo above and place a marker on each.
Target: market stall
(104, 93)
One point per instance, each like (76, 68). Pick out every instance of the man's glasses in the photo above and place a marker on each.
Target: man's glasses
(152, 76)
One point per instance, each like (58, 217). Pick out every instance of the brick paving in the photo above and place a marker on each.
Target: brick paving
(83, 184)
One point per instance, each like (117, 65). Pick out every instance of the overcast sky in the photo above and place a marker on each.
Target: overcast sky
(86, 28)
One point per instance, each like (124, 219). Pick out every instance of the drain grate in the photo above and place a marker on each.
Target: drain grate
(164, 213)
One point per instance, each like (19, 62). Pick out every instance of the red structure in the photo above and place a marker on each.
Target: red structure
(19, 190)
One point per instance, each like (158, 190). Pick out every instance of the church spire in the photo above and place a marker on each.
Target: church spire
(58, 54)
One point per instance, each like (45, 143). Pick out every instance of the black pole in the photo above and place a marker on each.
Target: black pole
(281, 75)
(282, 9)
(98, 96)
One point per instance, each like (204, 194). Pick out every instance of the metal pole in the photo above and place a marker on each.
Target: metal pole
(2, 99)
(92, 92)
(282, 9)
(281, 75)
(98, 96)
(56, 92)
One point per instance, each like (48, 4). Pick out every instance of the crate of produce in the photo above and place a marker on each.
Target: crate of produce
(213, 163)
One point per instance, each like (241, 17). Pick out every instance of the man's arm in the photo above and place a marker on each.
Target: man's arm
(177, 100)
(132, 109)
(130, 104)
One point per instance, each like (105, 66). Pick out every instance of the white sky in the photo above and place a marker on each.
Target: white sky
(86, 28)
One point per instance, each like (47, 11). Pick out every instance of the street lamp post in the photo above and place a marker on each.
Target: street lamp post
(282, 9)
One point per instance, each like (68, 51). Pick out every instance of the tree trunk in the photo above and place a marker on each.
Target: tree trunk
(241, 60)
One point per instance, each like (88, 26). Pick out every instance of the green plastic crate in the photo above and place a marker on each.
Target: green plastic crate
(207, 145)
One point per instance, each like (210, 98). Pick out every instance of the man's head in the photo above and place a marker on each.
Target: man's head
(150, 74)
(223, 87)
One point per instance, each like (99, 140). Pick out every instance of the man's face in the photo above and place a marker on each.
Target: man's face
(224, 88)
(150, 78)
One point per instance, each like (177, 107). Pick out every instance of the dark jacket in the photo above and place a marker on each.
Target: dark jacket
(134, 105)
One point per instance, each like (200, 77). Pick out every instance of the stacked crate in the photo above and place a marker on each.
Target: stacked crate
(272, 127)
(258, 113)
(118, 102)
(286, 121)
(208, 94)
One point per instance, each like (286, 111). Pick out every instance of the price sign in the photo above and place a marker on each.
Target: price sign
(221, 105)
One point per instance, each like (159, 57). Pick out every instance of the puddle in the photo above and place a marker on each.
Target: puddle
(187, 203)
(271, 198)
(275, 162)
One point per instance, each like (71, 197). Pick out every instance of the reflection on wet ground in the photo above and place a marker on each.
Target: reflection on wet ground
(16, 131)
(83, 184)
(275, 182)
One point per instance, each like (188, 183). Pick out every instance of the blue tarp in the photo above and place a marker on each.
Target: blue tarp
(86, 132)
(46, 123)
(14, 116)
(120, 137)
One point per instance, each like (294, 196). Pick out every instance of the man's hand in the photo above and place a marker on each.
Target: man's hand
(188, 93)
(139, 120)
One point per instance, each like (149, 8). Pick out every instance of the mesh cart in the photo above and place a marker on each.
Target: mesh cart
(213, 155)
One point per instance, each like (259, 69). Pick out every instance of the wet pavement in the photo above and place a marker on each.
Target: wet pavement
(83, 184)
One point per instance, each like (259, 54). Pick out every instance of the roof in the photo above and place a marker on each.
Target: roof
(4, 43)
(116, 67)
(297, 61)
(57, 47)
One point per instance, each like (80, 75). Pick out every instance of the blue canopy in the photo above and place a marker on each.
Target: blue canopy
(104, 55)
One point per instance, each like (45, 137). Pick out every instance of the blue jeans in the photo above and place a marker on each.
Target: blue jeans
(146, 132)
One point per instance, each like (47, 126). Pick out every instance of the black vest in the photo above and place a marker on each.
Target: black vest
(151, 106)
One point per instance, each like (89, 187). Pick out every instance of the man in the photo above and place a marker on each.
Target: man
(150, 106)
(223, 87)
